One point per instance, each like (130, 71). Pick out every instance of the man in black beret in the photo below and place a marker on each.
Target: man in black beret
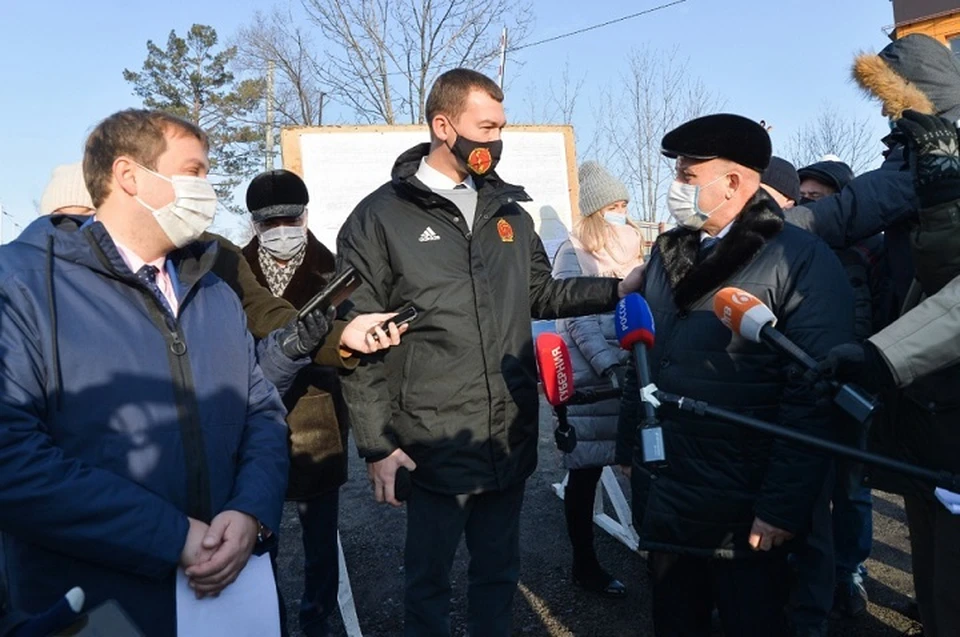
(719, 517)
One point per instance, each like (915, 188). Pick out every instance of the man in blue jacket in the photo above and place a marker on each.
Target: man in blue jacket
(137, 432)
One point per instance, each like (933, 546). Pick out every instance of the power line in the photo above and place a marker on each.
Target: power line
(595, 26)
(572, 33)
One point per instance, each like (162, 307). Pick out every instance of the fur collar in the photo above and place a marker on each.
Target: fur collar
(758, 222)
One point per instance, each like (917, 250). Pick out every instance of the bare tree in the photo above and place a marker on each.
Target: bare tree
(832, 133)
(380, 57)
(278, 37)
(555, 103)
(655, 94)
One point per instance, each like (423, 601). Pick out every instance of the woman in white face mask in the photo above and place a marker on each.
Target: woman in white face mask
(605, 242)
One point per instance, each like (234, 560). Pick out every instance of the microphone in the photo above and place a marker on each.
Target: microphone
(747, 316)
(556, 374)
(635, 332)
(59, 617)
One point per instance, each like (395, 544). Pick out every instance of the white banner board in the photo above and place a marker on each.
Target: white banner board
(343, 164)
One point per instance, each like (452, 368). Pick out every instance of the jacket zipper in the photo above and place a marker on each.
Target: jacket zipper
(188, 413)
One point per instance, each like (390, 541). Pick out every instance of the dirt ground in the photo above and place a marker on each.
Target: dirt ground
(547, 603)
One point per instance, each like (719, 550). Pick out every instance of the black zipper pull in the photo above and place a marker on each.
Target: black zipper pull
(177, 346)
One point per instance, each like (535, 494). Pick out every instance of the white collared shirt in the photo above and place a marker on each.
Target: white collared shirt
(720, 235)
(436, 180)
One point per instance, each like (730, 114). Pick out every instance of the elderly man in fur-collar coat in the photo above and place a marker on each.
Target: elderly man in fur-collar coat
(719, 518)
(288, 260)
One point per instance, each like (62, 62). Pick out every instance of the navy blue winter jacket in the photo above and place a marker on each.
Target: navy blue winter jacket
(117, 421)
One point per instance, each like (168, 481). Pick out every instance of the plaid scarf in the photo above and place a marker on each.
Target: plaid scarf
(279, 276)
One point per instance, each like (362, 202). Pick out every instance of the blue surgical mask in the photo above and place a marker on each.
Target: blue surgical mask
(615, 218)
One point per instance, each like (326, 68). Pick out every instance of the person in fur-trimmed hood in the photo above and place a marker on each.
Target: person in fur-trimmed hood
(918, 82)
(913, 73)
(719, 517)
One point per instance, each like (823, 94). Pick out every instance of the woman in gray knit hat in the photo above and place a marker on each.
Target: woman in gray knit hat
(604, 242)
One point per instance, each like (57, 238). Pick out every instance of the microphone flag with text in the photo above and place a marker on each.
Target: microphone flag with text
(556, 374)
(635, 333)
(747, 316)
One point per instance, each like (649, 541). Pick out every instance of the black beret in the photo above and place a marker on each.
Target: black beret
(732, 137)
(782, 177)
(276, 193)
(830, 173)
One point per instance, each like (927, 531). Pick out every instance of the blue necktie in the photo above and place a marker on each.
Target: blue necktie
(148, 276)
(706, 246)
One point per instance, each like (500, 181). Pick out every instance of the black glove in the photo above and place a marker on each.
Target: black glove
(933, 152)
(302, 336)
(859, 363)
(617, 375)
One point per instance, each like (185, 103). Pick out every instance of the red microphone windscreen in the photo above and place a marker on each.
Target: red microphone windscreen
(556, 373)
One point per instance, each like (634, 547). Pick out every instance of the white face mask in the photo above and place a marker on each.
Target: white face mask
(615, 218)
(683, 203)
(190, 213)
(283, 242)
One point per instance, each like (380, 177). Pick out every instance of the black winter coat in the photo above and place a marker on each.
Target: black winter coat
(459, 394)
(720, 476)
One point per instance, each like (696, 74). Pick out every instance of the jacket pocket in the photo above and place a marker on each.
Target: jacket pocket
(406, 382)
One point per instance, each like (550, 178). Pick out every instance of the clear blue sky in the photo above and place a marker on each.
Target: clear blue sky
(61, 63)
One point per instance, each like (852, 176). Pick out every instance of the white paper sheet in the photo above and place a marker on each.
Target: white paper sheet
(949, 499)
(249, 606)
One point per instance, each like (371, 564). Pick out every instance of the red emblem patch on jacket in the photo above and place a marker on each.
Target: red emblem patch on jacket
(505, 230)
(480, 160)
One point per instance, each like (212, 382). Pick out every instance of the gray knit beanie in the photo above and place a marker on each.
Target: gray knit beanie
(598, 188)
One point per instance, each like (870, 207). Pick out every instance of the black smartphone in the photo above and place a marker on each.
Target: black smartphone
(402, 485)
(333, 294)
(403, 317)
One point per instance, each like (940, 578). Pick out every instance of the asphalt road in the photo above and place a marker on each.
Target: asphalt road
(547, 603)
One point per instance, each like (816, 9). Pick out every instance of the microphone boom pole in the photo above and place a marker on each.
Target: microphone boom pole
(944, 479)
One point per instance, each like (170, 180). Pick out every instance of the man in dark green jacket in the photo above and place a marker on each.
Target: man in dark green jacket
(457, 400)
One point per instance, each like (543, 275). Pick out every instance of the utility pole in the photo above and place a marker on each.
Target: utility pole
(503, 57)
(320, 116)
(270, 115)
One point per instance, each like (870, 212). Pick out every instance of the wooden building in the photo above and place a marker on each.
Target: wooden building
(937, 18)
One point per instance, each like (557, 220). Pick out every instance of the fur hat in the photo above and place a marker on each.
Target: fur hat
(598, 188)
(782, 177)
(276, 193)
(732, 137)
(66, 188)
(915, 72)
